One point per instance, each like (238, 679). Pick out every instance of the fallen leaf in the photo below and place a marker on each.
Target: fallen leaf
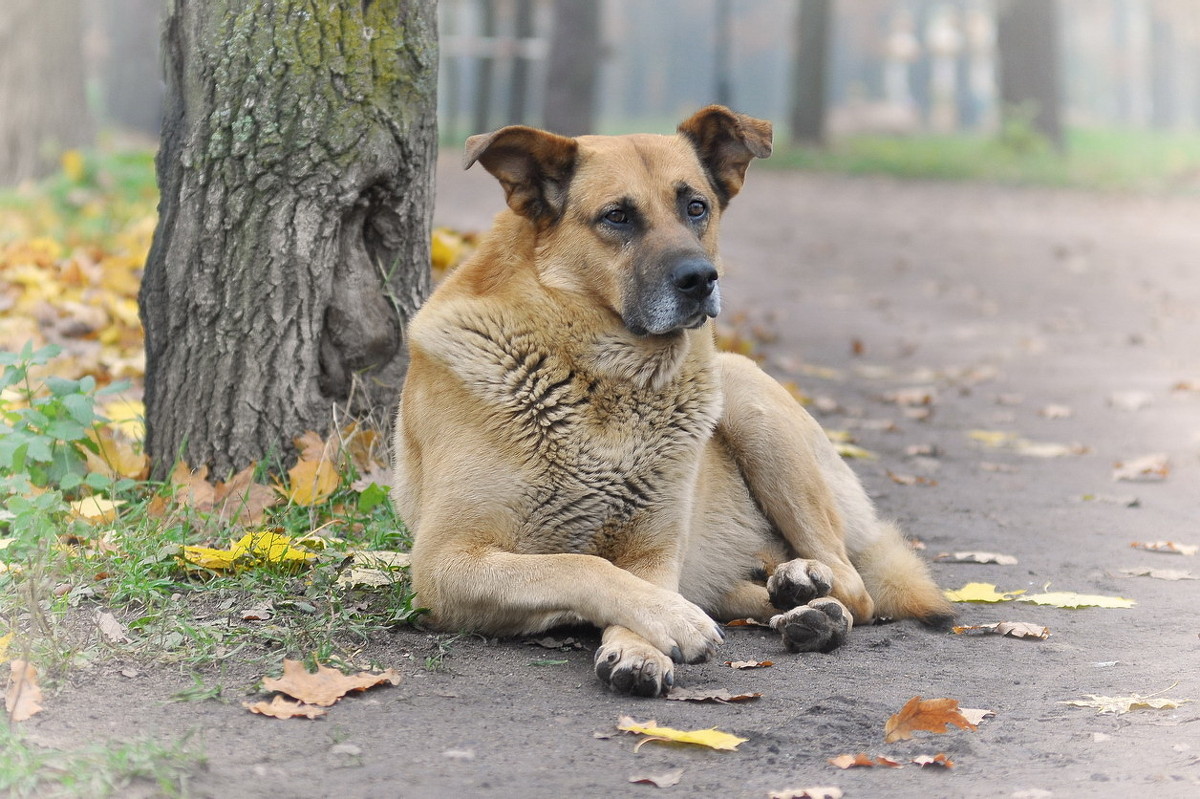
(745, 623)
(981, 592)
(916, 396)
(862, 760)
(664, 780)
(709, 695)
(1068, 599)
(251, 549)
(110, 628)
(1056, 412)
(23, 698)
(848, 450)
(1126, 500)
(1161, 574)
(910, 479)
(747, 664)
(281, 708)
(1046, 449)
(939, 760)
(375, 569)
(116, 457)
(96, 510)
(5, 642)
(326, 685)
(200, 493)
(712, 738)
(976, 715)
(314, 448)
(1166, 546)
(1144, 469)
(930, 715)
(1131, 401)
(1124, 704)
(991, 438)
(1013, 629)
(311, 482)
(815, 792)
(976, 557)
(243, 501)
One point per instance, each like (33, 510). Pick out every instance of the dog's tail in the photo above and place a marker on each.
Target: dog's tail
(899, 580)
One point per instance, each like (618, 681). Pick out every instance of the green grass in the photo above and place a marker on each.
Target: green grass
(1101, 159)
(113, 768)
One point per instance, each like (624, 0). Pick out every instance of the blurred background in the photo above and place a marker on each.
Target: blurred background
(909, 86)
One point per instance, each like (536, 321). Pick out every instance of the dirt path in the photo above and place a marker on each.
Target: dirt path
(1004, 302)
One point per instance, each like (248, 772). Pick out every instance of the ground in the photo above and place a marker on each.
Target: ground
(996, 303)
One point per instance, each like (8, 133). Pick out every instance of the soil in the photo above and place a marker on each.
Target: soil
(1005, 301)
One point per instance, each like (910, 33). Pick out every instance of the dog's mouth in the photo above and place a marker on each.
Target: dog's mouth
(657, 326)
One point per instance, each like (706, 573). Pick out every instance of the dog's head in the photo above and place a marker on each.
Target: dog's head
(630, 220)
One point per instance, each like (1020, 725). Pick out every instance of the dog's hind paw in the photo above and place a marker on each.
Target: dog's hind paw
(819, 626)
(799, 582)
(637, 670)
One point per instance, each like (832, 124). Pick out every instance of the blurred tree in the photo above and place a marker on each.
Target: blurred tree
(810, 65)
(1030, 65)
(485, 67)
(131, 86)
(43, 109)
(571, 71)
(293, 238)
(519, 91)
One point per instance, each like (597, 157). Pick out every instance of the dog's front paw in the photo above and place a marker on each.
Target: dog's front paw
(799, 582)
(819, 626)
(627, 664)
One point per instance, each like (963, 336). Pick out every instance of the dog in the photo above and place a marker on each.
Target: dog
(571, 447)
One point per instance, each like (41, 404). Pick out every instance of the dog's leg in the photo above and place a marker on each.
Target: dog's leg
(817, 502)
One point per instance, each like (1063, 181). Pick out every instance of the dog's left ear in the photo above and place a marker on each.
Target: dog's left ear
(533, 166)
(726, 142)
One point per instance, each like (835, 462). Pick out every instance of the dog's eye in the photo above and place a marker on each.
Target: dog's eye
(618, 216)
(696, 209)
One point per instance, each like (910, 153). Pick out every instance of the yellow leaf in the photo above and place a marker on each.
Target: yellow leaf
(96, 510)
(73, 165)
(5, 641)
(847, 450)
(215, 559)
(446, 249)
(271, 547)
(712, 738)
(116, 457)
(126, 416)
(980, 592)
(1068, 599)
(991, 438)
(312, 482)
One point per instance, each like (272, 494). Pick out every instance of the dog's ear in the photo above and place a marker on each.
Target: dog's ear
(534, 166)
(726, 142)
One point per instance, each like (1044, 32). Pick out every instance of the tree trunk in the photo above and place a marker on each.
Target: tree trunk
(814, 28)
(293, 237)
(1029, 53)
(43, 110)
(571, 71)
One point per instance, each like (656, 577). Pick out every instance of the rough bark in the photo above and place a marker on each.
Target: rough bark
(571, 72)
(293, 236)
(1030, 64)
(43, 110)
(814, 28)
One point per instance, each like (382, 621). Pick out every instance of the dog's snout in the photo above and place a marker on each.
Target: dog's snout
(695, 277)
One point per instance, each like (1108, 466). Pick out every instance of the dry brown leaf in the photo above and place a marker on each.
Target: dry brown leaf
(749, 664)
(1144, 469)
(912, 397)
(110, 628)
(1161, 574)
(939, 760)
(708, 695)
(1013, 629)
(863, 760)
(243, 501)
(976, 715)
(314, 448)
(326, 685)
(930, 715)
(200, 493)
(911, 479)
(23, 698)
(117, 456)
(281, 708)
(814, 792)
(745, 623)
(976, 557)
(664, 780)
(1169, 547)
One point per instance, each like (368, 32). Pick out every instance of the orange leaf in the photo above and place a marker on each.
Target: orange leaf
(243, 501)
(931, 715)
(23, 697)
(281, 708)
(116, 458)
(940, 759)
(863, 760)
(200, 493)
(314, 448)
(312, 482)
(326, 685)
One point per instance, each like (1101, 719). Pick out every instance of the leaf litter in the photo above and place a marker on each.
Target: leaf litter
(1012, 629)
(928, 715)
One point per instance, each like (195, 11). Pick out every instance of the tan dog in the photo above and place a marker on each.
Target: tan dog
(571, 447)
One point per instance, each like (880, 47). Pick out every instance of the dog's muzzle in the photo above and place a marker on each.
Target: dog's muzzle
(695, 279)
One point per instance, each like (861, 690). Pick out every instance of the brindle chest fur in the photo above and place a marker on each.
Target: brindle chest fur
(608, 433)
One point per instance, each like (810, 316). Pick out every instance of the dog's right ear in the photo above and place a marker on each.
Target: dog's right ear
(534, 166)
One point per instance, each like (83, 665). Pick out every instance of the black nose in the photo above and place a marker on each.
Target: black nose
(695, 278)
